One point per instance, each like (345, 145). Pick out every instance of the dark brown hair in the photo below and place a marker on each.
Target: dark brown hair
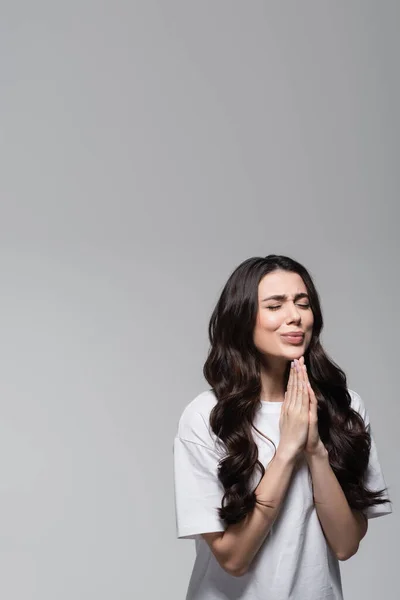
(232, 369)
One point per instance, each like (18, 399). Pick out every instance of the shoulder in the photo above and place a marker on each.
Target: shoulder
(357, 404)
(194, 425)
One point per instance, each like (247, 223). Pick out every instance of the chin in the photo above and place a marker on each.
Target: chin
(295, 352)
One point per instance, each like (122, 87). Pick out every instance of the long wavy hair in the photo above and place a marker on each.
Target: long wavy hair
(233, 370)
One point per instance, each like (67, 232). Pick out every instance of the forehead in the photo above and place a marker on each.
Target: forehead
(281, 282)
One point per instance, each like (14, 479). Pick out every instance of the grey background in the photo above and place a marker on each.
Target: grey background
(147, 148)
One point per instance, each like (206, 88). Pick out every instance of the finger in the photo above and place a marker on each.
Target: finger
(313, 397)
(286, 397)
(313, 410)
(293, 388)
(305, 398)
(311, 392)
(314, 406)
(290, 386)
(299, 389)
(306, 373)
(313, 413)
(306, 395)
(299, 386)
(306, 379)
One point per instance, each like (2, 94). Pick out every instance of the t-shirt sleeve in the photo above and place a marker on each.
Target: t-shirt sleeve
(198, 491)
(374, 477)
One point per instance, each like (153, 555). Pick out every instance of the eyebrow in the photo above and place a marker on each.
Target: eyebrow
(284, 297)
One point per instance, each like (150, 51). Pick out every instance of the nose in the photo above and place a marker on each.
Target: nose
(293, 313)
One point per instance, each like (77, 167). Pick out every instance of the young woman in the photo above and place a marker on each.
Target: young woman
(276, 470)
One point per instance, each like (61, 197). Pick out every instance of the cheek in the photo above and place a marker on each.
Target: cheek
(309, 327)
(270, 321)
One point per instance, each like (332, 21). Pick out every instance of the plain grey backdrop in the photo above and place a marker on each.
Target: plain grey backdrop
(147, 148)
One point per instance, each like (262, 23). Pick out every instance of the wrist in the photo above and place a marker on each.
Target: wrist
(321, 453)
(286, 455)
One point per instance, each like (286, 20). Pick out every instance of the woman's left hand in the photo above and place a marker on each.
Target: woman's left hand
(314, 445)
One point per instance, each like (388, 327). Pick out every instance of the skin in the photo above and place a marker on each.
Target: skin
(298, 379)
(272, 322)
(274, 318)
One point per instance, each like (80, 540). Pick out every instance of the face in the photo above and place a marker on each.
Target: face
(277, 317)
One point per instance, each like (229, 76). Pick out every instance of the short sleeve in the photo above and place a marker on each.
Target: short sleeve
(198, 492)
(197, 452)
(374, 477)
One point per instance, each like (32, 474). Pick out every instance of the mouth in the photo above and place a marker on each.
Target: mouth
(294, 338)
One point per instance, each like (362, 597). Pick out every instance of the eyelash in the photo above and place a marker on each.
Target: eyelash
(275, 307)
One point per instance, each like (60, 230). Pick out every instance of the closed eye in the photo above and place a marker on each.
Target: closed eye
(279, 305)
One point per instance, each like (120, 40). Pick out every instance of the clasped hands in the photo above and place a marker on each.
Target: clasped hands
(299, 378)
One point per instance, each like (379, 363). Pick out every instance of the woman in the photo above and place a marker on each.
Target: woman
(275, 467)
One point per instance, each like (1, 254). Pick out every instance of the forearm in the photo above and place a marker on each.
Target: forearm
(241, 541)
(341, 527)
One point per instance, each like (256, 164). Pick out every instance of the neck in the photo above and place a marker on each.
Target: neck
(273, 381)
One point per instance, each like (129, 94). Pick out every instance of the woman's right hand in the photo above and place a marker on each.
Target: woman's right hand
(293, 422)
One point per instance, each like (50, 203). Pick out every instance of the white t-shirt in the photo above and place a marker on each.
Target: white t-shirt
(295, 560)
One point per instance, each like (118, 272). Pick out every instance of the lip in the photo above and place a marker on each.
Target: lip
(293, 334)
(294, 338)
